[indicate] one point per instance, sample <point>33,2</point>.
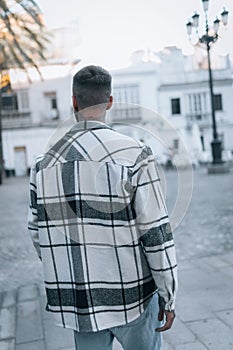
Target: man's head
<point>92,90</point>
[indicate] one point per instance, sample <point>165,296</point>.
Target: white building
<point>31,113</point>
<point>177,88</point>
<point>185,99</point>
<point>33,110</point>
<point>161,100</point>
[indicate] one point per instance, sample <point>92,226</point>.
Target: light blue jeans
<point>137,335</point>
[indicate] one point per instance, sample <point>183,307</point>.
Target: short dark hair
<point>92,86</point>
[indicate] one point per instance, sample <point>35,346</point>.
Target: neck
<point>85,115</point>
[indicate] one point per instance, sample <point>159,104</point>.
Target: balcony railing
<point>202,119</point>
<point>126,114</point>
<point>13,119</point>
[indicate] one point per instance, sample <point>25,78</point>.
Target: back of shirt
<point>99,223</point>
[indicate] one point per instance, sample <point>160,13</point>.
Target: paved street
<point>18,262</point>
<point>204,242</point>
<point>207,228</point>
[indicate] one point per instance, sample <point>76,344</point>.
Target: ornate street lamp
<point>210,37</point>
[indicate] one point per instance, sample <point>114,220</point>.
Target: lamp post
<point>210,37</point>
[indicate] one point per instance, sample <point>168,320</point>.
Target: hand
<point>170,316</point>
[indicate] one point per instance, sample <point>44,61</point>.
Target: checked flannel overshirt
<point>98,221</point>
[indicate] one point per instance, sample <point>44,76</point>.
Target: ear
<point>110,102</point>
<point>75,103</point>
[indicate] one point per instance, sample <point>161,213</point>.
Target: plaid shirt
<point>99,224</point>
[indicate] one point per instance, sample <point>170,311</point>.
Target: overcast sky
<point>111,30</point>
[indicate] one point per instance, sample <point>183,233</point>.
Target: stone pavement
<point>204,243</point>
<point>204,312</point>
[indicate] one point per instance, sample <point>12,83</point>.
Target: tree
<point>23,40</point>
<point>23,37</point>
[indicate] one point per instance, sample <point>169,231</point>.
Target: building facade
<point>163,101</point>
<point>176,88</point>
<point>31,113</point>
<point>185,98</point>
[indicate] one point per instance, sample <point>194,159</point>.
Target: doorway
<point>20,161</point>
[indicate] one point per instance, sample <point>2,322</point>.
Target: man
<point>101,228</point>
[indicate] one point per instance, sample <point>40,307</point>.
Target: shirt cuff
<point>169,306</point>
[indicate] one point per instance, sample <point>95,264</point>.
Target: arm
<point>32,213</point>
<point>156,236</point>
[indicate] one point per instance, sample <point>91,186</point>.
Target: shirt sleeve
<point>32,212</point>
<point>155,231</point>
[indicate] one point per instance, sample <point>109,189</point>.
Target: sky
<point>110,31</point>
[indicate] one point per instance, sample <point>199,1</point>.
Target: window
<point>175,144</point>
<point>23,95</point>
<point>51,105</point>
<point>54,103</point>
<point>126,98</point>
<point>9,102</point>
<point>218,102</point>
<point>175,104</point>
<point>197,105</point>
<point>126,94</point>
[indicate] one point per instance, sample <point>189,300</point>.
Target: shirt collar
<point>89,125</point>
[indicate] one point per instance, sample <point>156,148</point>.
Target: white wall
<point>62,87</point>
<point>33,139</point>
<point>145,75</point>
<point>56,78</point>
<point>224,118</point>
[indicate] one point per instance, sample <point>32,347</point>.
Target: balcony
<point>202,119</point>
<point>126,114</point>
<point>15,119</point>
